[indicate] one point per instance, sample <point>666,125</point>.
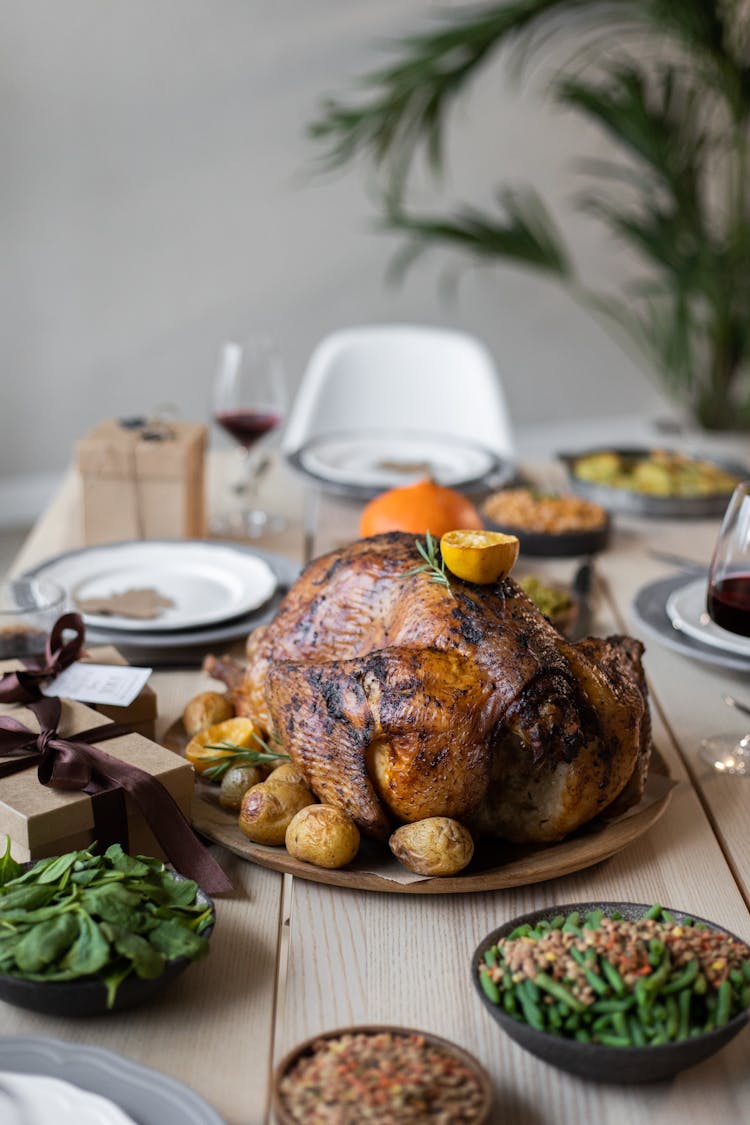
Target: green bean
<point>673,1017</point>
<point>520,931</point>
<point>668,918</point>
<point>509,1001</point>
<point>746,970</point>
<point>596,982</point>
<point>559,991</point>
<point>700,986</point>
<point>554,1017</point>
<point>572,924</point>
<point>531,1011</point>
<point>620,1005</point>
<point>724,1003</point>
<point>737,978</point>
<point>593,919</point>
<point>682,979</point>
<point>601,1023</point>
<point>532,988</point>
<point>490,989</point>
<point>557,922</point>
<point>654,914</point>
<point>572,1022</point>
<point>490,957</point>
<point>683,1001</point>
<point>636,1032</point>
<point>582,1035</point>
<point>745,996</point>
<point>659,975</point>
<point>613,976</point>
<point>619,1023</point>
<point>615,1040</point>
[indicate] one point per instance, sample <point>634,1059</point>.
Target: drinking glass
<point>728,606</point>
<point>249,401</point>
<point>29,607</point>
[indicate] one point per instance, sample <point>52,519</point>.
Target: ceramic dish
<point>650,613</point>
<point>593,1060</point>
<point>362,463</point>
<point>686,609</point>
<point>207,583</point>
<point>629,502</point>
<point>88,997</point>
<point>461,1056</point>
<point>189,645</point>
<point>148,1097</point>
<point>564,544</point>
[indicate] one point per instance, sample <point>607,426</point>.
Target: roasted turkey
<point>401,698</point>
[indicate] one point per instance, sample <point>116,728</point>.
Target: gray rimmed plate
<point>149,1097</point>
<point>630,502</point>
<point>649,608</point>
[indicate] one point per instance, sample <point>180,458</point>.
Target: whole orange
<point>424,506</point>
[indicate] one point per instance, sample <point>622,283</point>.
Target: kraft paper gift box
<point>142,480</point>
<point>42,821</point>
<point>140,715</point>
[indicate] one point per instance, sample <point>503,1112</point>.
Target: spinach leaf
<point>90,951</point>
<point>175,940</point>
<point>45,943</point>
<point>9,869</point>
<point>147,961</point>
<point>25,898</point>
<point>120,861</point>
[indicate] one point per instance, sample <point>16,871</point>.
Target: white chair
<point>401,377</point>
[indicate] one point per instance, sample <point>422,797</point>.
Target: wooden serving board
<point>495,866</point>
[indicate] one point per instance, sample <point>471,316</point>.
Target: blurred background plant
<point>669,83</point>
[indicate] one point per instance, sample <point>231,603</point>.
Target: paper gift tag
<point>99,683</point>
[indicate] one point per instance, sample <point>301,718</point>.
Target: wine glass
<point>249,401</point>
<point>728,606</point>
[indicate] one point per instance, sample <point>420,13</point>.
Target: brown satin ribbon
<point>73,763</point>
<point>23,686</point>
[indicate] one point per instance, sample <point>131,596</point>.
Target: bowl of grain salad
<point>383,1075</point>
<point>548,524</point>
<point>615,991</point>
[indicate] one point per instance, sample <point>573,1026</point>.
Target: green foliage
<point>86,915</point>
<point>667,82</point>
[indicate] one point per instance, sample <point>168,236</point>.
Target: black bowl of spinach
<point>84,934</point>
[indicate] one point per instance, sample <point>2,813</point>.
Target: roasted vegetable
<point>323,835</point>
<point>268,808</point>
<point>436,845</point>
<point>236,782</point>
<point>205,710</point>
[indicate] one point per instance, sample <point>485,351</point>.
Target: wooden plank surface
<point>291,957</point>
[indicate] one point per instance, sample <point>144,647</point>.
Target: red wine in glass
<point>729,603</point>
<point>247,426</point>
<point>248,402</point>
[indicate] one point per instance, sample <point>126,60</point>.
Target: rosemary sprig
<point>240,755</point>
<point>433,564</point>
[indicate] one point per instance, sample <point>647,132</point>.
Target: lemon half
<point>479,556</point>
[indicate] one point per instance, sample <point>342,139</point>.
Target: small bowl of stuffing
<point>615,991</point>
<point>380,1074</point>
<point>548,524</point>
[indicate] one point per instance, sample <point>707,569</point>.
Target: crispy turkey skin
<point>401,698</point>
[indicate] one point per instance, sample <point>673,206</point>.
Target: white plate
<point>369,461</point>
<point>145,1095</point>
<point>686,609</point>
<point>208,582</point>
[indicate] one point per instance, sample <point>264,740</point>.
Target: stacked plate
<point>673,610</point>
<point>362,463</point>
<point>204,593</point>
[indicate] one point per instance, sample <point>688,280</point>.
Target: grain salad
<point>524,510</point>
<point>381,1077</point>
<point>618,982</point>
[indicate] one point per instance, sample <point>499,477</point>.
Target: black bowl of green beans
<point>615,991</point>
<point>84,934</point>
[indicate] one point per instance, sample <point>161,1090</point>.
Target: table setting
<point>301,951</point>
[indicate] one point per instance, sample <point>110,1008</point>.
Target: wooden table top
<point>290,958</point>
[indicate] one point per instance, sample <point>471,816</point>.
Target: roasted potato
<point>436,845</point>
<point>323,835</point>
<point>287,772</point>
<point>236,782</point>
<point>205,710</point>
<point>267,809</point>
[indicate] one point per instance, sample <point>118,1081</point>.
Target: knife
<point>582,586</point>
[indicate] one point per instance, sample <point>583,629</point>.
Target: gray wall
<point>157,195</point>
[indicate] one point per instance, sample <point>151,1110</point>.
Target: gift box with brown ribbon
<point>68,780</point>
<point>142,480</point>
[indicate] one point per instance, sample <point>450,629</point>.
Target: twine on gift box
<point>148,429</point>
